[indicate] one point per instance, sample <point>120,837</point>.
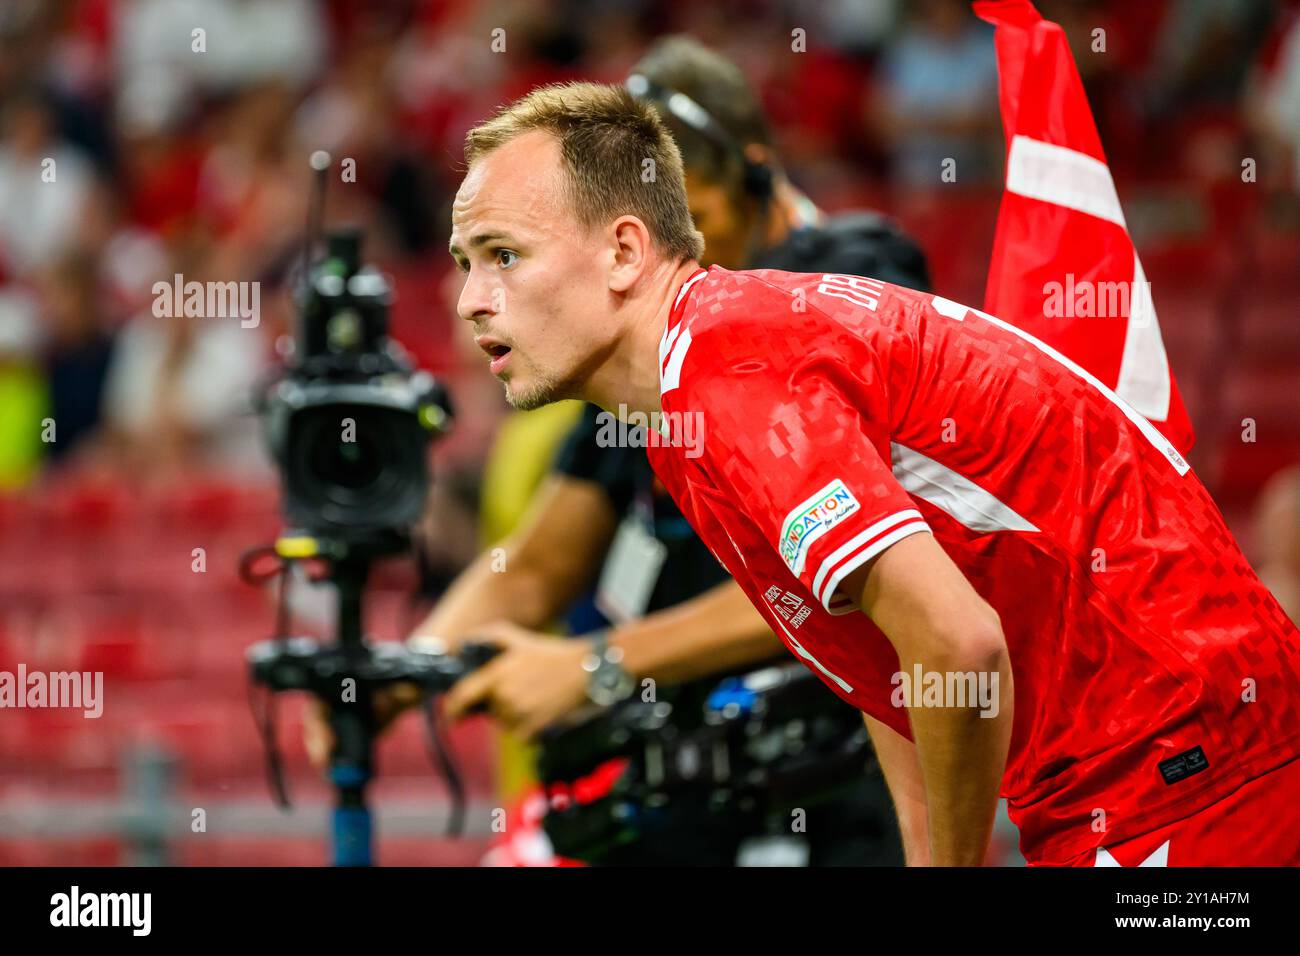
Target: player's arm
<point>898,761</point>
<point>933,617</point>
<point>711,632</point>
<point>540,569</point>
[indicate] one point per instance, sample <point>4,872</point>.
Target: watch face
<point>609,684</point>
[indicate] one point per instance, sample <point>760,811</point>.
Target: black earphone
<point>758,180</point>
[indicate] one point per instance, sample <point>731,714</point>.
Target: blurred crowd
<point>140,139</point>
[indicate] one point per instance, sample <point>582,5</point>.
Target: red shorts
<point>1258,824</point>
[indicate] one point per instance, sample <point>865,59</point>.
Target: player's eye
<point>506,258</point>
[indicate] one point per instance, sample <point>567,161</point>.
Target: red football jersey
<point>833,416</point>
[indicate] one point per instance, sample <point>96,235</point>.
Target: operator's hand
<point>317,736</point>
<point>533,682</point>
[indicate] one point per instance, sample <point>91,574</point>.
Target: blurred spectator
<point>77,348</point>
<point>46,185</point>
<point>354,117</point>
<point>940,96</point>
<point>1273,101</point>
<point>848,25</point>
<point>253,187</point>
<point>1204,51</point>
<point>1277,529</point>
<point>164,66</point>
<point>178,391</point>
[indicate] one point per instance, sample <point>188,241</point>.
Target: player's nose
<point>477,300</point>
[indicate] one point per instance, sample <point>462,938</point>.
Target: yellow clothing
<point>25,405</point>
<point>522,455</point>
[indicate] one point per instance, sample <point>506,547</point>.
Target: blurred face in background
<point>68,290</point>
<point>725,220</point>
<point>536,282</point>
<point>26,126</point>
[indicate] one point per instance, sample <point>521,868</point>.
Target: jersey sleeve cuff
<point>857,551</point>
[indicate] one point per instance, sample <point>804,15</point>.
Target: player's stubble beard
<point>542,391</point>
<point>547,386</point>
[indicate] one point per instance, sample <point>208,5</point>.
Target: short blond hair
<point>619,157</point>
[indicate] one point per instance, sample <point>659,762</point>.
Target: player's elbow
<point>972,642</point>
<point>984,640</point>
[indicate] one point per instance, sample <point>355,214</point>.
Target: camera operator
<point>675,615</point>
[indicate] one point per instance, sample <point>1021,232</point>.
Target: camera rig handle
<point>346,675</point>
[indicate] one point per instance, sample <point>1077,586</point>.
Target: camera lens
<point>353,466</point>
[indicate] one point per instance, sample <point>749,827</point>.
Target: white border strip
<point>1144,376</point>
<point>681,293</point>
<point>800,652</point>
<point>1063,177</point>
<point>862,557</point>
<point>884,524</point>
<point>672,373</point>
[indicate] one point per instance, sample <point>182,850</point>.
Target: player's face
<point>534,283</point>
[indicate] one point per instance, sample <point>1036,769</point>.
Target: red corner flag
<point>1064,268</point>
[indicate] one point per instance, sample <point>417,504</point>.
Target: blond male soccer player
<point>930,485</point>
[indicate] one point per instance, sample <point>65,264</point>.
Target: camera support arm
<point>345,676</point>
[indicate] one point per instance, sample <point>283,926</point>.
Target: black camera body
<point>350,420</point>
<point>767,740</point>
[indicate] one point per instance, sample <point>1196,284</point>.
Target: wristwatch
<point>608,682</point>
<point>426,643</point>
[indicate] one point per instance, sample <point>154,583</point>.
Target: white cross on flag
<point>1064,268</point>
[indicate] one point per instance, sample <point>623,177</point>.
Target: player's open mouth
<point>499,352</point>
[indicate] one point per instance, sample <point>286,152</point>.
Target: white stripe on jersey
<point>879,527</point>
<point>671,376</point>
<point>675,342</point>
<point>860,558</point>
<point>936,483</point>
<point>681,293</point>
<point>952,492</point>
<point>1158,857</point>
<point>666,344</point>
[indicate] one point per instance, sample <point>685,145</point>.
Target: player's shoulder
<point>744,314</point>
<point>726,298</point>
<point>768,301</point>
<point>739,308</point>
<point>732,317</point>
<point>735,332</point>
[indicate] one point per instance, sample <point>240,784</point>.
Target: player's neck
<point>628,381</point>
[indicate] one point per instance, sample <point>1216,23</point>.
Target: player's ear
<point>630,243</point>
